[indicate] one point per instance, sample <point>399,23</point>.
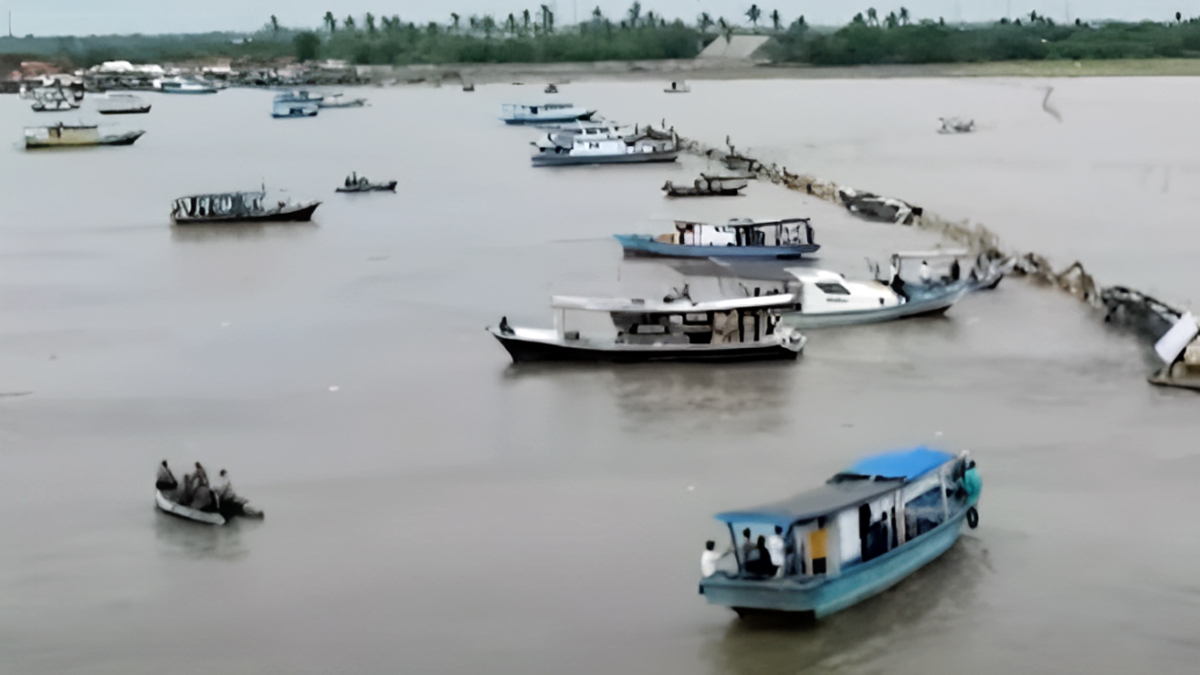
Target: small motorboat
<point>677,87</point>
<point>709,186</point>
<point>550,89</point>
<point>606,147</point>
<point>956,125</point>
<point>875,207</point>
<point>356,183</point>
<point>829,299</point>
<point>676,329</point>
<point>340,101</point>
<point>166,505</point>
<point>866,529</point>
<point>739,238</point>
<point>122,104</point>
<point>75,135</point>
<point>468,86</point>
<point>179,85</point>
<point>284,109</point>
<point>514,113</point>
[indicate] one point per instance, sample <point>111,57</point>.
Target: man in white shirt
<point>926,276</point>
<point>710,557</point>
<point>776,549</point>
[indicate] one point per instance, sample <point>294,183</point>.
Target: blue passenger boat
<point>864,530</point>
<point>739,238</point>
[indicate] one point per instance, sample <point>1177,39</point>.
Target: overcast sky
<point>84,17</point>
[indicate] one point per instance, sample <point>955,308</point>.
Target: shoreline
<point>721,69</point>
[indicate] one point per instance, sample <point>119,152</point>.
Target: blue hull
<point>640,243</point>
<point>824,596</point>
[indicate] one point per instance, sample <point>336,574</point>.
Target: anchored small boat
<point>739,238</point>
<point>179,85</point>
<point>284,109</point>
<point>956,125</point>
<point>75,135</point>
<point>863,531</point>
<point>677,87</point>
<point>54,99</point>
<point>875,207</point>
<point>828,299</point>
<point>357,183</point>
<point>607,147</point>
<point>737,329</point>
<point>122,104</point>
<point>515,113</point>
<point>340,101</point>
<point>195,500</point>
<point>550,89</point>
<point>300,96</point>
<point>239,207</point>
<point>709,186</point>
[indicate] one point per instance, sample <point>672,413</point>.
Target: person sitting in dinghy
<point>165,481</point>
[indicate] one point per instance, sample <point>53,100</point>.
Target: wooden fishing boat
<point>739,238</point>
<point>866,529</point>
<point>606,147</point>
<point>238,207</point>
<point>737,329</point>
<point>356,183</point>
<point>75,135</point>
<point>709,186</point>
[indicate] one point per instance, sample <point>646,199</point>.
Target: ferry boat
<point>864,530</point>
<point>122,104</point>
<point>282,109</point>
<point>605,147</point>
<point>737,329</point>
<point>75,135</point>
<point>238,207</point>
<point>739,238</point>
<point>516,113</point>
<point>179,85</point>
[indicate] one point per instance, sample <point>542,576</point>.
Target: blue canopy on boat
<point>903,464</point>
<point>820,501</point>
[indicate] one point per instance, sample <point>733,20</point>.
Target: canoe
<point>168,506</point>
<point>929,303</point>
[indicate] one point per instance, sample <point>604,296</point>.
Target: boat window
<point>923,513</point>
<point>832,288</point>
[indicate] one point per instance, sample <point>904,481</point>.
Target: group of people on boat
<point>356,180</point>
<point>195,491</point>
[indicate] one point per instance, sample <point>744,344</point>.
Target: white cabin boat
<point>122,104</point>
<point>179,85</point>
<point>735,329</point>
<point>516,113</point>
<point>606,147</point>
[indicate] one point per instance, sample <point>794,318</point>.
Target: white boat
<point>166,505</point>
<point>179,85</point>
<point>340,101</point>
<point>606,147</point>
<point>956,125</point>
<point>122,104</point>
<point>677,87</point>
<point>736,329</point>
<point>516,113</point>
<point>74,135</point>
<point>827,298</point>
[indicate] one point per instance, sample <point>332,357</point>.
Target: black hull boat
<point>303,213</point>
<point>389,186</point>
<point>525,350</point>
<point>238,207</point>
<point>127,111</point>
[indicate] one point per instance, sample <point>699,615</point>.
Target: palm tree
<point>525,19</point>
<point>858,18</point>
<point>904,15</point>
<point>597,15</point>
<point>348,23</point>
<point>330,22</point>
<point>753,13</point>
<point>635,14</point>
<point>872,16</point>
<point>274,24</point>
<point>1178,17</point>
<point>704,22</point>
<point>1033,16</point>
<point>473,22</point>
<point>891,21</point>
<point>489,26</point>
<point>369,19</point>
<point>802,22</point>
<point>547,19</point>
<point>510,24</point>
<point>454,19</point>
<point>650,19</point>
<point>776,23</point>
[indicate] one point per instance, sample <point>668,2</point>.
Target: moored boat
<point>736,329</point>
<point>516,113</point>
<point>356,183</point>
<point>179,85</point>
<point>75,135</point>
<point>828,299</point>
<point>866,529</point>
<point>603,147</point>
<point>284,109</point>
<point>709,186</point>
<point>956,125</point>
<point>165,504</point>
<point>238,207</point>
<point>677,87</point>
<point>340,101</point>
<point>122,104</point>
<point>739,238</point>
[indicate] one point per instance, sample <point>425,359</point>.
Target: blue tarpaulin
<point>904,464</point>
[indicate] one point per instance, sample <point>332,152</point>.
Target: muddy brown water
<point>441,511</point>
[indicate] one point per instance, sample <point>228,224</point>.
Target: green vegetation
<point>868,40</point>
<point>533,35</point>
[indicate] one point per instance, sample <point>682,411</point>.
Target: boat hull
<point>548,119</point>
<point>627,158</point>
<point>119,139</point>
<point>645,245</point>
<point>820,597</point>
<point>929,306</point>
<point>302,213</point>
<point>389,186</point>
<point>524,350</point>
<point>126,111</point>
<point>167,506</point>
<point>695,192</point>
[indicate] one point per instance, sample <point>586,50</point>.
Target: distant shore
<point>717,69</point>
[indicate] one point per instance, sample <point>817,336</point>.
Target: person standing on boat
<point>747,544</point>
<point>165,480</point>
<point>775,549</point>
<point>955,270</point>
<point>224,488</point>
<point>972,483</point>
<point>710,557</point>
<point>926,276</point>
<point>201,476</point>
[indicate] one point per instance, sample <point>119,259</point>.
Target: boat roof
<point>253,193</point>
<point>903,464</point>
<point>814,274</point>
<point>811,504</point>
<point>642,306</point>
<point>746,222</point>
